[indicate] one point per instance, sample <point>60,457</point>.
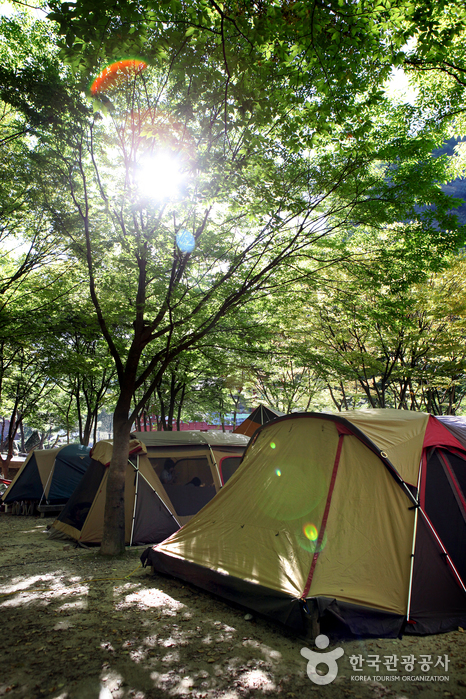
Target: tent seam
<point>324,517</point>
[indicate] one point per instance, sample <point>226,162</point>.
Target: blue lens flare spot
<point>185,240</point>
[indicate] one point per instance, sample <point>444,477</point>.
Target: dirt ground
<point>77,626</point>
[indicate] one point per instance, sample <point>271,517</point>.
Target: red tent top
<point>439,436</point>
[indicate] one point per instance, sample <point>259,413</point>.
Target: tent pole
<point>413,545</point>
<point>412,564</point>
<point>135,499</point>
<point>45,486</point>
<point>216,465</point>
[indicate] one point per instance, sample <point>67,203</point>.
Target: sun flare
<point>160,176</point>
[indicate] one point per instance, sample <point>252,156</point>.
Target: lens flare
<point>278,472</point>
<point>308,538</point>
<point>272,445</point>
<point>185,240</point>
<point>160,176</point>
<point>154,130</point>
<point>116,74</point>
<point>310,532</point>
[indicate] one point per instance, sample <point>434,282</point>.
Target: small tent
<point>258,417</point>
<point>360,515</point>
<point>49,476</point>
<point>153,510</point>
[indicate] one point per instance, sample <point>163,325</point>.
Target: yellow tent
<point>359,514</point>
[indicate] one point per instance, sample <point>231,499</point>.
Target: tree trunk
<point>180,404</point>
<point>78,408</point>
<point>21,431</point>
<point>337,404</point>
<point>68,420</point>
<point>86,435</point>
<point>113,538</point>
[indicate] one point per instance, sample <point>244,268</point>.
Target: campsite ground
<point>107,628</point>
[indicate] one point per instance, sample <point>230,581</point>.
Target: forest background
<point>324,264</point>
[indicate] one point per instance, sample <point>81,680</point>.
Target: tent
<point>49,476</point>
<point>153,510</point>
<point>213,451</point>
<point>359,517</point>
<point>258,417</point>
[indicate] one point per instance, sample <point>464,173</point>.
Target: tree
<point>35,101</point>
<point>275,142</point>
<point>32,102</point>
<point>25,387</point>
<point>442,383</point>
<point>78,360</point>
<point>384,332</point>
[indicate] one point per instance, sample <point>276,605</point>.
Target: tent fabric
<point>323,508</point>
<point>153,520</point>
<point>49,474</point>
<point>187,437</point>
<point>103,450</point>
<point>27,484</point>
<point>443,501</point>
<point>75,513</point>
<point>438,600</point>
<point>399,434</point>
<point>438,434</point>
<point>70,465</point>
<point>456,425</point>
<point>153,510</point>
<point>258,417</point>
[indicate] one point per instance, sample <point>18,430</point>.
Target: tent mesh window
<point>190,485</point>
<point>80,503</point>
<point>443,505</point>
<point>228,466</point>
